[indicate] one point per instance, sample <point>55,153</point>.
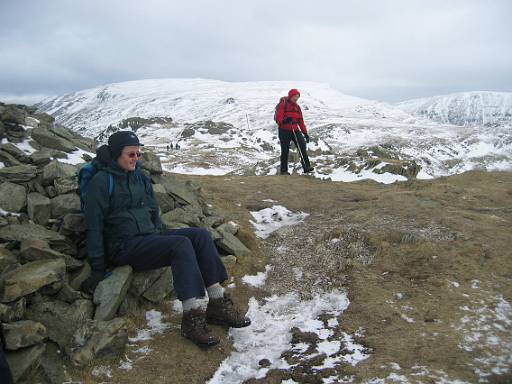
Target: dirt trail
<point>427,266</point>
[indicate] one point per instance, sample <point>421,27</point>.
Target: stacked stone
<point>47,321</point>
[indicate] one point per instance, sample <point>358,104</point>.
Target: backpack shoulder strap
<point>110,184</point>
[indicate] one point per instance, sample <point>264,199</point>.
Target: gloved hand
<point>90,284</point>
<point>306,136</point>
<point>287,120</point>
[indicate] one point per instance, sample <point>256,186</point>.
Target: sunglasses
<point>132,155</point>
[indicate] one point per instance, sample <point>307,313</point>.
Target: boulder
<point>24,360</point>
<point>185,215</point>
<point>14,115</point>
<point>52,364</point>
<point>213,221</point>
<point>229,260</point>
<point>73,222</point>
<point>61,319</point>
<point>14,151</point>
<point>68,294</point>
<point>98,339</point>
<point>32,250</point>
<point>165,201</point>
<point>64,204</point>
<point>230,244</point>
<point>43,156</point>
<point>21,232</point>
<point>8,160</point>
<point>7,258</point>
<point>230,227</point>
<point>151,162</point>
<point>66,185</point>
<point>111,291</point>
<point>49,139</point>
<point>143,280</point>
<point>161,288</point>
<point>13,197</point>
<point>56,169</point>
<point>38,208</point>
<point>181,191</point>
<point>23,333</point>
<point>13,311</point>
<point>80,276</point>
<point>30,277</point>
<point>18,173</point>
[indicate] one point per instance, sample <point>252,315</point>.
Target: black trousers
<point>191,253</point>
<point>285,136</point>
<point>5,372</point>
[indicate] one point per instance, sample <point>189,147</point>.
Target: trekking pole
<point>298,147</point>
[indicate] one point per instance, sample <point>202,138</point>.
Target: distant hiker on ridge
<point>288,117</point>
<point>124,228</point>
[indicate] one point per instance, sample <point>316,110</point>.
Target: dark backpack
<point>88,171</point>
<point>282,99</point>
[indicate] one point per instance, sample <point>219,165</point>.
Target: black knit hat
<point>117,141</point>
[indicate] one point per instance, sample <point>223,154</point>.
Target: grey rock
<point>111,291</point>
<point>23,333</point>
<point>68,294</point>
<point>18,173</point>
<point>182,215</point>
<point>143,280</point>
<point>161,288</point>
<point>30,277</point>
<point>43,156</point>
<point>72,223</point>
<point>181,191</point>
<point>230,244</point>
<point>165,201</point>
<point>8,159</point>
<point>52,364</point>
<point>13,197</point>
<point>56,169</point>
<point>21,232</point>
<point>230,227</point>
<point>50,140</point>
<point>12,114</point>
<point>13,311</point>
<point>174,225</point>
<point>7,258</point>
<point>32,250</point>
<point>61,319</point>
<point>38,208</point>
<point>64,204</point>
<point>80,276</point>
<point>98,339</point>
<point>14,151</point>
<point>66,185</point>
<point>24,360</point>
<point>151,162</point>
<point>213,221</point>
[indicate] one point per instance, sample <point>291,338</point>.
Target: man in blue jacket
<point>124,228</point>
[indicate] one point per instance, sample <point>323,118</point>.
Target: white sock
<point>193,303</point>
<point>215,291</point>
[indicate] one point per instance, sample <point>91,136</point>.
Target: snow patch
<point>270,334</point>
<point>269,220</point>
<point>156,325</point>
<point>259,279</point>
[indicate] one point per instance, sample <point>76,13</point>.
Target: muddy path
<point>426,269</point>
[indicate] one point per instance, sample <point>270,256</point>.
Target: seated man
<point>124,228</point>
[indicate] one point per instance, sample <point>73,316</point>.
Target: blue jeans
<point>190,252</point>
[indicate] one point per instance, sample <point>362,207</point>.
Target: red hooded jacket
<point>292,110</point>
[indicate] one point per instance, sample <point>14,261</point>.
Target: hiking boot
<point>309,169</point>
<point>224,312</point>
<point>284,173</point>
<point>193,327</point>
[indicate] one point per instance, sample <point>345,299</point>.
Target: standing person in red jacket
<point>289,118</point>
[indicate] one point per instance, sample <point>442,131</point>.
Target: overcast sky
<point>388,50</point>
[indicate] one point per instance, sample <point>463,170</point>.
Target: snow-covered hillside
<point>227,127</point>
<point>465,108</point>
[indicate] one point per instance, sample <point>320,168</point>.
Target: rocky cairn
<point>47,321</point>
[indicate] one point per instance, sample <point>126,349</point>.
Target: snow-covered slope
<point>352,138</point>
<point>465,108</point>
